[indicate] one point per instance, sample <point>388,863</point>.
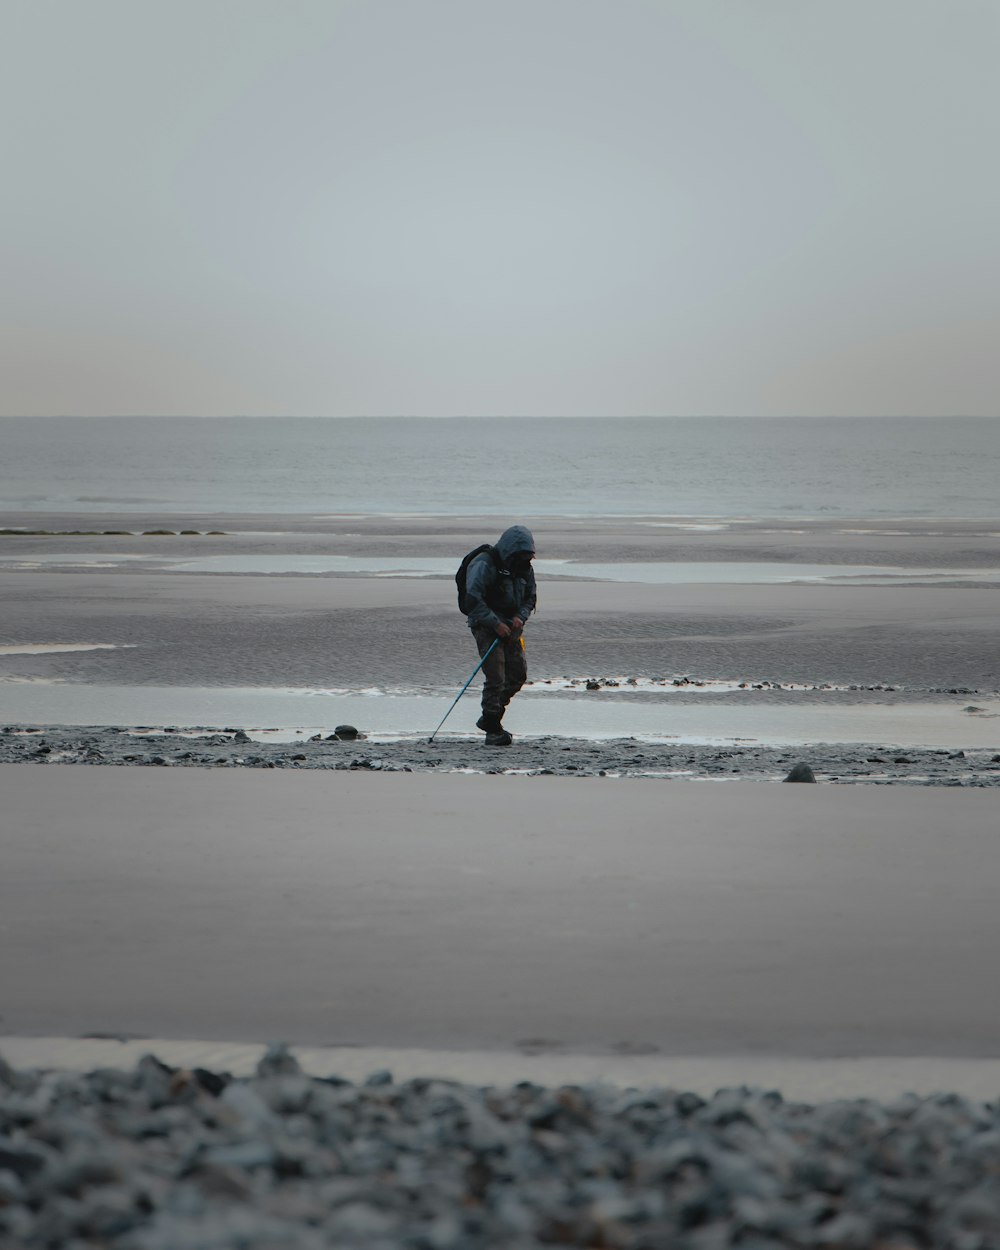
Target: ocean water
<point>697,467</point>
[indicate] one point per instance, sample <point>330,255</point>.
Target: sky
<point>499,207</point>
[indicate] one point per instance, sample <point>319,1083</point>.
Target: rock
<point>345,733</point>
<point>8,1077</point>
<point>278,1060</point>
<point>245,1155</point>
<point>593,685</point>
<point>21,1160</point>
<point>801,772</point>
<point>241,736</point>
<point>211,1082</point>
<point>247,1104</point>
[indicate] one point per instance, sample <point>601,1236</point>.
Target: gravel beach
<point>165,1158</point>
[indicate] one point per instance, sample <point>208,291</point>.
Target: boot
<point>499,739</point>
<point>489,723</point>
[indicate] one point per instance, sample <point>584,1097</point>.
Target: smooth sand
<point>491,913</point>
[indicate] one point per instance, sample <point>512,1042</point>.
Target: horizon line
<point>451,416</point>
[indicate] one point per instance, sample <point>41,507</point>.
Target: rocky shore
<point>158,1158</point>
<point>542,756</point>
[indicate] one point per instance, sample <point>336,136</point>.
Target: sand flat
<point>489,913</point>
<point>243,630</point>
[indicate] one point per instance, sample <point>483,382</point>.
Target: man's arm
<point>528,599</point>
<point>478,580</point>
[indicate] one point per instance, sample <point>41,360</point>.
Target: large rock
<point>801,772</point>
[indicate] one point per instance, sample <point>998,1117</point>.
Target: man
<point>500,595</point>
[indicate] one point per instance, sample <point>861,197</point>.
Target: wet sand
<point>485,914</point>
<point>216,629</point>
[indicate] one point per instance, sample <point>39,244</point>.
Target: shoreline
<point>623,759</point>
<point>688,669</point>
<point>799,1078</point>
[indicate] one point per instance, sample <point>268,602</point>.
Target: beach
<point>884,678</point>
<point>435,919</point>
<point>758,617</point>
<point>494,913</point>
<point>546,1014</point>
<point>309,938</point>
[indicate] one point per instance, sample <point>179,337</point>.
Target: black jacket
<point>494,592</point>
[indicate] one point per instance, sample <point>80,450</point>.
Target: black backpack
<point>463,604</point>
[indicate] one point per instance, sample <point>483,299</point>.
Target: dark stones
<point>671,760</point>
<point>211,1082</point>
<point>346,733</point>
<point>162,1157</point>
<point>278,1060</point>
<point>21,1160</point>
<point>688,1103</point>
<point>801,772</point>
<point>241,736</point>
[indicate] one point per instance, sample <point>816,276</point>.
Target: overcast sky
<point>525,207</point>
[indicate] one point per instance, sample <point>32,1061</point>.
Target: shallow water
<point>660,572</point>
<point>296,712</point>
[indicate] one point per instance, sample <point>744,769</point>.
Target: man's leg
<point>494,680</point>
<point>515,667</point>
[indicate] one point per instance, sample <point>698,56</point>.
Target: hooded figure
<point>500,591</point>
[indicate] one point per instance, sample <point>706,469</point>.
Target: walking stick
<point>464,688</point>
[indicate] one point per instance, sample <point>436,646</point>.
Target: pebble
<point>162,1159</point>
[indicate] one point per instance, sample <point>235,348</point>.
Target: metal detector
<point>465,687</point>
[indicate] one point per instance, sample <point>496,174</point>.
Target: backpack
<point>463,605</point>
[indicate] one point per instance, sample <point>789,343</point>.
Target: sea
<point>724,467</point>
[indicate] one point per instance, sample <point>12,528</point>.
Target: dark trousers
<point>504,672</point>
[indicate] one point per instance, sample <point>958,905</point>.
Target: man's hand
<point>517,625</point>
<point>503,631</point>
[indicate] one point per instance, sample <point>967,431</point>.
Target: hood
<point>511,541</point>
